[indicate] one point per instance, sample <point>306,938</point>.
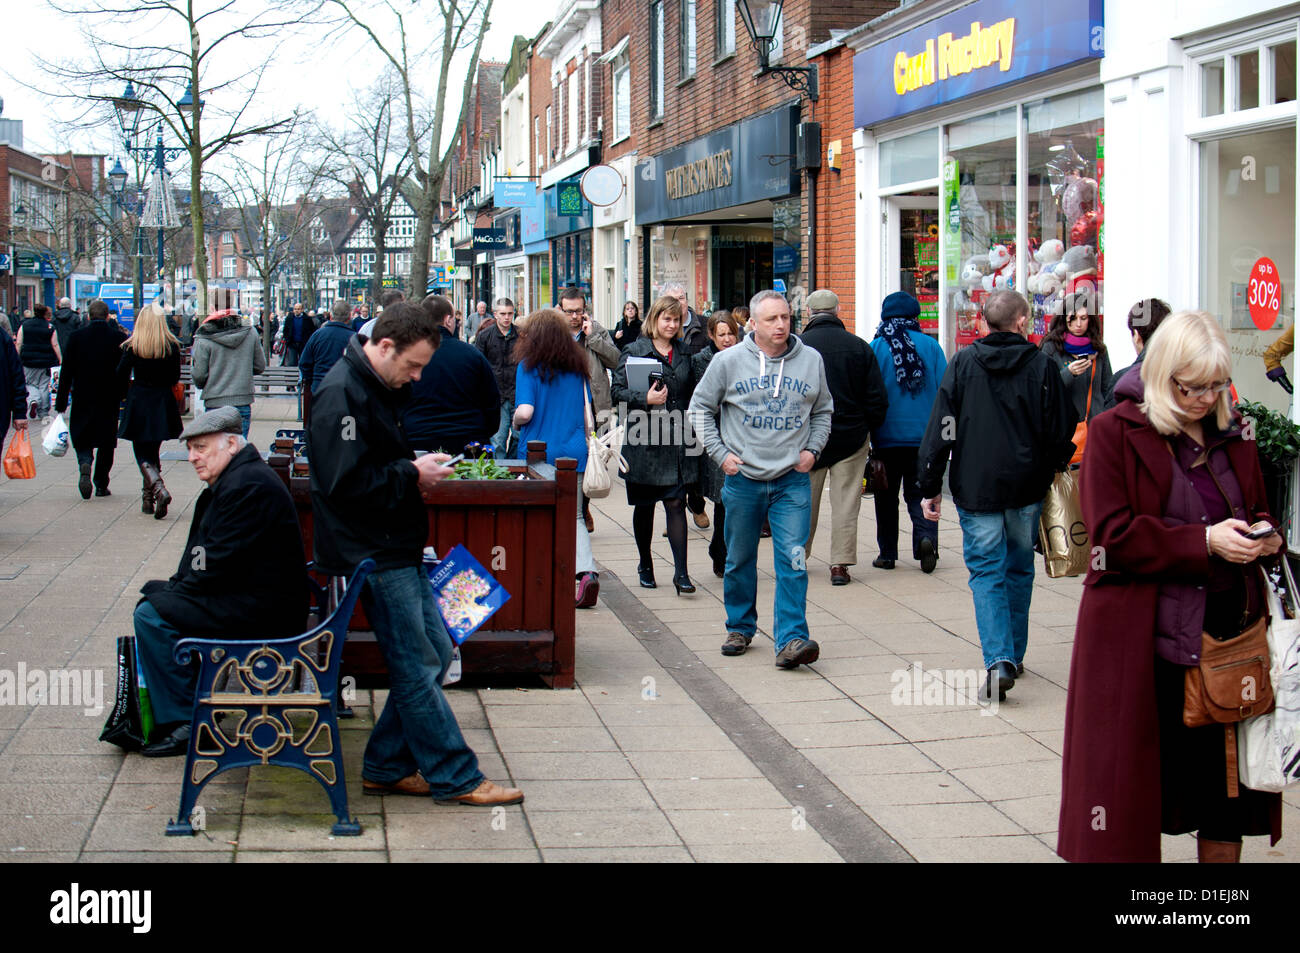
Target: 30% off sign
<point>1264,295</point>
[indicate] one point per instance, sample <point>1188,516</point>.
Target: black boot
<point>161,498</point>
<point>146,491</point>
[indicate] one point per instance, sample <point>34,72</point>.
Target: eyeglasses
<point>574,312</point>
<point>1196,393</point>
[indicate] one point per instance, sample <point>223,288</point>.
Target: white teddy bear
<point>1044,280</point>
<point>1003,266</point>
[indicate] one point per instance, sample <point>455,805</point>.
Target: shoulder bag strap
<point>586,407</point>
<point>1087,411</point>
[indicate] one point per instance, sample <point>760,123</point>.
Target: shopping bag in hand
<point>1066,546</point>
<point>19,463</point>
<point>57,438</point>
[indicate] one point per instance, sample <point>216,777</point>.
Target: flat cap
<point>823,300</point>
<point>218,420</point>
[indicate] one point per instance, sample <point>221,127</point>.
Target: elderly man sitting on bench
<point>241,574</point>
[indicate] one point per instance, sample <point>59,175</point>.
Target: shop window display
<point>1247,229</point>
<point>980,214</point>
<point>1065,217</point>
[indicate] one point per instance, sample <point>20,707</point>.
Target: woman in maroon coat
<point>1168,486</point>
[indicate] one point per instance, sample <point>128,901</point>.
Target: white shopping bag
<point>1268,746</point>
<point>56,437</point>
<point>453,670</point>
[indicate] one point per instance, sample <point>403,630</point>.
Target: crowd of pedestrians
<point>737,409</point>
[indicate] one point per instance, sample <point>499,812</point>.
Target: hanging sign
<point>1264,294</point>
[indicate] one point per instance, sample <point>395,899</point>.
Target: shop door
<point>912,252</point>
<point>743,269</point>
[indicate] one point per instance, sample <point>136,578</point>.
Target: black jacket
<point>857,386</point>
<point>655,446</point>
<point>65,322</point>
<point>1135,367</point>
<point>89,377</point>
<point>298,329</point>
<point>696,337</point>
<point>365,494</point>
<point>631,331</point>
<point>499,349</point>
<point>242,574</point>
<point>13,384</point>
<point>37,351</point>
<point>1005,416</point>
<point>455,401</point>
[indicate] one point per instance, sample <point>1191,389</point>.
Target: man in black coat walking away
<point>858,390</point>
<point>89,377</point>
<point>366,501</point>
<point>66,320</point>
<point>455,401</point>
<point>241,575</point>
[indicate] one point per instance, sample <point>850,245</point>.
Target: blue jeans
<point>786,503</point>
<point>246,415</point>
<point>417,730</point>
<point>171,687</point>
<point>500,438</point>
<point>999,552</point>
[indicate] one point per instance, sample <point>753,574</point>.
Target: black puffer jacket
<point>242,574</point>
<point>65,322</point>
<point>499,349</point>
<point>1005,417</point>
<point>857,386</point>
<point>365,494</point>
<point>658,438</point>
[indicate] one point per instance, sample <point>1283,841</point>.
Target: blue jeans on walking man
<point>417,730</point>
<point>999,551</point>
<point>502,436</point>
<point>786,503</point>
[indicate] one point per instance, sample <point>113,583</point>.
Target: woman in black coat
<point>151,361</point>
<point>628,328</point>
<point>659,467</point>
<point>1074,343</point>
<point>89,377</point>
<point>723,333</point>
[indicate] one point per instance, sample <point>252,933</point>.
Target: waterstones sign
<point>745,162</point>
<point>979,47</point>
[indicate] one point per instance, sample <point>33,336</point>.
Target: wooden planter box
<point>523,532</point>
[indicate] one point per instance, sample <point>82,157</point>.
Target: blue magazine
<point>466,593</point>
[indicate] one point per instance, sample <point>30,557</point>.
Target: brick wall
<point>540,96</point>
<point>834,215</point>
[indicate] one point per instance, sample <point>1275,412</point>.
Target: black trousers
<point>900,465</point>
<point>102,459</point>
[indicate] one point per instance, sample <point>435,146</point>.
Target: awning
<point>614,54</point>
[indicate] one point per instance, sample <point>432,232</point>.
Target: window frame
<point>656,60</point>
<point>725,23</point>
<point>688,34</point>
<point>622,66</point>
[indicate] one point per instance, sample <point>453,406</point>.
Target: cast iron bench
<point>270,702</point>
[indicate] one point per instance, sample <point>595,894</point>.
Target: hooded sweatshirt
<point>226,355</point>
<point>65,322</point>
<point>769,408</point>
<point>1004,415</point>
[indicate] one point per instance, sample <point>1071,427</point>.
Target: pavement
<point>666,750</point>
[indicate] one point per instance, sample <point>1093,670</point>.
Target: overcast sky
<point>303,69</point>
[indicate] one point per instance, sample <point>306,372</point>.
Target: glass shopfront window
<point>981,214</point>
<point>913,158</point>
<point>571,264</point>
<point>1247,229</point>
<point>1065,214</point>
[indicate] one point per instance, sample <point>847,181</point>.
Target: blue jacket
<point>908,414</point>
<point>13,384</point>
<point>323,349</point>
<point>455,401</point>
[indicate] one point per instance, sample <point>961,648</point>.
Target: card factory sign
<point>976,48</point>
<point>953,56</point>
<point>712,172</point>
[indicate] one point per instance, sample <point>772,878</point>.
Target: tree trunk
<point>424,209</point>
<point>377,277</point>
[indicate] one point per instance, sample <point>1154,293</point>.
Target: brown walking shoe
<point>413,785</point>
<point>488,794</point>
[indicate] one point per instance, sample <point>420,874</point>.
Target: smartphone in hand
<point>1260,533</point>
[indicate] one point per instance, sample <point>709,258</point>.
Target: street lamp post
<point>159,211</point>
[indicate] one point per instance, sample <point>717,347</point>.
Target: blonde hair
<point>151,338</point>
<point>1191,346</point>
<point>650,327</point>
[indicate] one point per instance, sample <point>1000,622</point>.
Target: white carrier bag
<point>1268,746</point>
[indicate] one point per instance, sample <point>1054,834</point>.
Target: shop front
<point>715,214</point>
<point>568,228</point>
<point>614,271</point>
<point>980,149</point>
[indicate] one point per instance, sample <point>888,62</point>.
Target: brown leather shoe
<point>701,520</point>
<point>591,523</point>
<point>488,794</point>
<point>414,785</point>
<point>1217,852</point>
<point>839,575</point>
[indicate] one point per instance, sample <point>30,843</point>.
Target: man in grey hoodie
<point>227,353</point>
<point>762,412</point>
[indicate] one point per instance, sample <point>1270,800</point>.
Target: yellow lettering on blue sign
<point>956,55</point>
